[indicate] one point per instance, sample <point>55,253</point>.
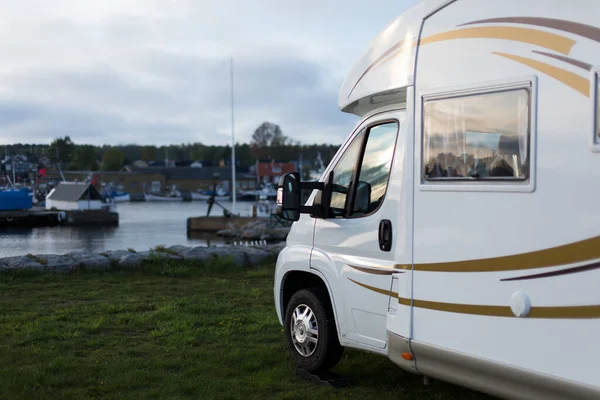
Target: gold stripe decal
<point>535,37</point>
<point>564,312</point>
<point>585,250</point>
<point>376,270</point>
<point>375,289</point>
<point>579,83</point>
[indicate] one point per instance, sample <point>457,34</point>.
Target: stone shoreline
<point>243,256</point>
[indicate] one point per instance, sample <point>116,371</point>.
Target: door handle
<point>385,235</point>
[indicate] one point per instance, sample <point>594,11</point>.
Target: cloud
<point>157,72</point>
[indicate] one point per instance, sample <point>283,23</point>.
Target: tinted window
<point>343,174</point>
<point>482,136</point>
<point>375,168</point>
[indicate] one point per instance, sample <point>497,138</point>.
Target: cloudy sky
<point>157,71</point>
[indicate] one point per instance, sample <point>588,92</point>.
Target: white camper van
<point>457,230</point>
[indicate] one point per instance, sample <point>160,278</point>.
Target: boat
<point>267,192</point>
<point>221,194</point>
<point>117,195</point>
<point>13,199</point>
<point>121,197</point>
<point>173,195</point>
<point>157,197</point>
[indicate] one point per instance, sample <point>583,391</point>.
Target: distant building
<point>69,196</point>
<point>189,179</point>
<point>140,164</point>
<point>271,171</point>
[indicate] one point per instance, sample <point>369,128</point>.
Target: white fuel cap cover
<point>520,304</point>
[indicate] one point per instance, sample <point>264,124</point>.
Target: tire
<point>300,332</point>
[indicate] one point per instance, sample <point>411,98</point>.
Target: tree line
<point>268,143</point>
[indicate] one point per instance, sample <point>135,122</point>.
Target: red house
<point>270,172</point>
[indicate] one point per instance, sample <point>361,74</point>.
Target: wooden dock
<point>215,224</point>
<point>40,217</point>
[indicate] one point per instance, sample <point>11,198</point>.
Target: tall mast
<point>232,142</point>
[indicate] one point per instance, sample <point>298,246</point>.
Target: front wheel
<point>310,331</point>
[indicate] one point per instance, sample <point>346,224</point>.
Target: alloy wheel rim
<point>304,330</point>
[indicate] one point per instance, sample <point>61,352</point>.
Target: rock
<point>154,255</point>
<point>22,262</point>
<point>145,255</point>
<point>276,248</point>
<point>131,261</point>
<point>228,233</point>
<point>58,263</point>
<point>167,256</point>
<point>256,256</point>
<point>90,260</point>
<point>250,234</point>
<point>116,256</point>
<point>180,250</point>
<point>279,233</point>
<point>258,224</point>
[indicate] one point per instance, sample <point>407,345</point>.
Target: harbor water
<point>142,226</point>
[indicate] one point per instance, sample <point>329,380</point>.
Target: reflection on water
<point>141,226</point>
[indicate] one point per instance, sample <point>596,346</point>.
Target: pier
<point>40,217</point>
<point>216,224</point>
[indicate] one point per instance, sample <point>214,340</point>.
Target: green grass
<point>38,259</point>
<point>174,332</point>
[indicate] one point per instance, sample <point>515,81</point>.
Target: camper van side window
<point>477,137</point>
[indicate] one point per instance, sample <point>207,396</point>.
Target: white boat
<point>155,197</point>
<point>203,196</point>
<point>267,192</point>
<point>121,198</point>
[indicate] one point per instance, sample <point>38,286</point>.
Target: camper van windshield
<point>482,136</point>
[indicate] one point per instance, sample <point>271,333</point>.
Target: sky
<point>158,71</point>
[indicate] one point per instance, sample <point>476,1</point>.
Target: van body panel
<point>352,248</point>
<point>481,246</point>
<point>388,64</point>
<point>291,258</point>
<point>505,381</point>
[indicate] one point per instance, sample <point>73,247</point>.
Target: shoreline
<point>242,256</point>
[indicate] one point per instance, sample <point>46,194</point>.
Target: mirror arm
<point>307,209</point>
<point>312,185</point>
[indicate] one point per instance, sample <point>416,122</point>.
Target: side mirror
<point>288,197</point>
<point>363,197</point>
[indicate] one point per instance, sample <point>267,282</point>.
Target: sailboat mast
<point>232,143</point>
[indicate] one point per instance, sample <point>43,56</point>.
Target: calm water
<point>141,227</point>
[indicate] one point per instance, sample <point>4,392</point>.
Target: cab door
<point>357,239</point>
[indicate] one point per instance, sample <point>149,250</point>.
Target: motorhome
<point>457,229</point>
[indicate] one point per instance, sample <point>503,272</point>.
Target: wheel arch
<point>295,280</point>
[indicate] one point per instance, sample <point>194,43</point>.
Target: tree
<point>62,150</point>
<point>227,152</point>
<point>149,153</point>
<point>85,158</point>
<point>268,134</point>
<point>113,159</point>
<point>198,154</point>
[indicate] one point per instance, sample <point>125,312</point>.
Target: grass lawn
<point>168,333</point>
